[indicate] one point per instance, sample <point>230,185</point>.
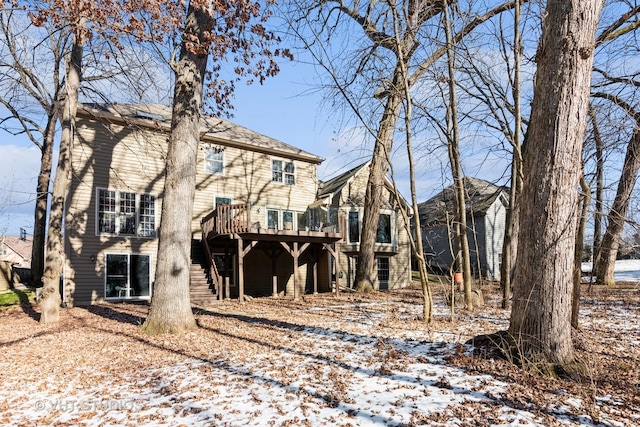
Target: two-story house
<point>486,205</point>
<point>344,197</point>
<point>257,227</point>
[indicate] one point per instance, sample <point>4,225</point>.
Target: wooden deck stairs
<point>202,288</point>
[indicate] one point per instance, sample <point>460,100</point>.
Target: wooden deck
<point>232,223</point>
<point>226,221</point>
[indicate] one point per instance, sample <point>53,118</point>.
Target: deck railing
<point>227,219</point>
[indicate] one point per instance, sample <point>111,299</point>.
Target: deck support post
<point>240,268</point>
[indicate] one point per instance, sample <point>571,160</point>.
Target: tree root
<point>502,345</point>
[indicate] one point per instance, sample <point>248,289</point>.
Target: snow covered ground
<point>626,270</point>
<point>321,362</point>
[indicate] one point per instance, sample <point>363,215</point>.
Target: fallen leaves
<point>352,360</point>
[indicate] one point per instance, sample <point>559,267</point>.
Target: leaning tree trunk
<point>50,299</point>
<point>42,200</point>
<point>541,314</point>
<point>415,235</point>
<point>170,310</point>
<point>606,260</point>
<point>365,272</point>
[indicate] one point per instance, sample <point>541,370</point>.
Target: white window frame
<point>280,215</point>
<point>359,212</point>
<point>119,216</point>
<point>277,211</point>
<point>286,177</point>
<point>392,217</point>
<point>127,289</point>
<point>208,162</point>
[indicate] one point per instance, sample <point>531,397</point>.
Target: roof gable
<point>337,183</point>
<point>329,189</point>
<point>18,246</point>
<point>212,129</point>
<point>480,195</point>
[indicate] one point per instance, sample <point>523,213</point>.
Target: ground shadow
<point>121,315</point>
<point>26,305</point>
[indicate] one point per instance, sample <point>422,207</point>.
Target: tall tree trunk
<point>597,215</point>
<point>42,200</point>
<point>605,263</point>
<point>50,300</point>
<point>541,314</point>
<point>365,272</point>
<point>415,235</point>
<point>462,240</point>
<point>577,261</point>
<point>509,244</point>
<point>170,310</point>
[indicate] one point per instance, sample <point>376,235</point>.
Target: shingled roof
<point>212,129</point>
<point>336,183</point>
<point>19,246</point>
<point>479,196</point>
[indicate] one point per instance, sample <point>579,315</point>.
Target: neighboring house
<point>486,206</point>
<point>15,260</point>
<point>256,226</point>
<point>343,197</point>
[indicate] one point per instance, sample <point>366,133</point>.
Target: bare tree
<point>32,88</point>
<point>608,250</point>
<point>51,299</point>
<point>170,308</point>
<point>583,216</point>
<point>509,245</point>
<point>599,155</point>
<point>230,29</point>
<point>462,242</point>
<point>86,21</point>
<point>541,315</point>
<point>389,47</point>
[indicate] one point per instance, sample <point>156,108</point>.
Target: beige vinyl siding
<point>351,197</point>
<point>247,179</point>
<point>119,159</point>
<point>400,264</point>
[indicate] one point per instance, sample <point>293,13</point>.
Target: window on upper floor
<point>214,160</point>
<point>354,226</point>
<point>273,219</point>
<point>221,200</point>
<point>283,171</point>
<point>384,232</point>
<point>384,229</point>
<point>124,213</point>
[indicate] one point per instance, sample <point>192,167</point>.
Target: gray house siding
<point>495,224</point>
<point>486,213</point>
